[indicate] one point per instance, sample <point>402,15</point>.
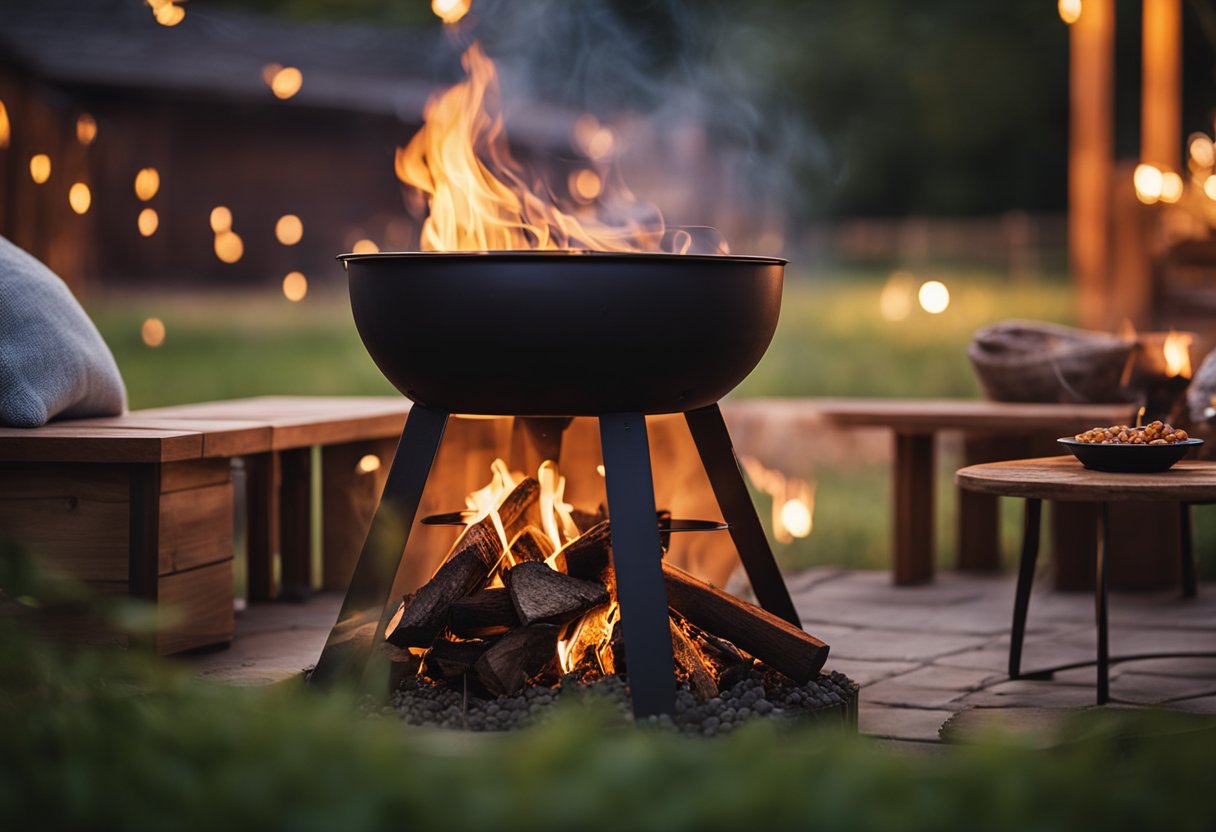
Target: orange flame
<point>793,500</point>
<point>477,192</point>
<point>1177,352</point>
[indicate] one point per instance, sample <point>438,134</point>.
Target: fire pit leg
<point>637,560</point>
<point>718,456</point>
<point>348,648</point>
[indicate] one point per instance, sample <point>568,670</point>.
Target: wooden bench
<point>142,504</point>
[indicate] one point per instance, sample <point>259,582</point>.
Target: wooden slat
<point>195,608</point>
<point>972,415</point>
<point>221,437</point>
<point>195,527</point>
<point>194,473</point>
<point>70,442</point>
<point>73,518</point>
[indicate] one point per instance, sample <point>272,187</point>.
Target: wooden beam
<point>1161,86</point>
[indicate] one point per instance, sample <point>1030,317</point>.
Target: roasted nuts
<point>1154,433</point>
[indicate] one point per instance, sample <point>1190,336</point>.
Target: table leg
<point>914,499</point>
<point>1021,602</point>
<point>1100,601</point>
<point>1187,549</point>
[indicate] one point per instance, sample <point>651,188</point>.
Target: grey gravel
<point>760,695</point>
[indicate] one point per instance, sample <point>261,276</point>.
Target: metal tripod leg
<point>637,560</point>
<point>718,456</point>
<point>350,643</point>
<point>1021,599</point>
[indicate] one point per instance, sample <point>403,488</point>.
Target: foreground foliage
<point>103,739</point>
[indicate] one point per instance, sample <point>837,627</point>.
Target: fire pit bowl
<point>564,333</point>
<point>1129,459</point>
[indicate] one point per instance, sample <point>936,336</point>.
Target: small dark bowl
<point>1129,459</point>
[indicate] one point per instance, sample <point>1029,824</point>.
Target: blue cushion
<point>53,361</point>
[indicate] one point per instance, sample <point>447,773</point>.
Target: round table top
<point>1064,478</point>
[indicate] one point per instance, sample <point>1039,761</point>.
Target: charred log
<point>587,520</point>
<point>542,595</point>
<point>588,557</point>
<point>448,660</point>
<point>770,639</point>
<point>515,658</point>
<point>690,666</point>
<point>531,545</point>
<point>485,612</point>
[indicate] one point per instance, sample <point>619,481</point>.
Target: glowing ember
<point>86,129</point>
<point>478,195</point>
<point>147,183</point>
<point>152,332</point>
<point>295,287</point>
<point>40,167</point>
<point>80,197</point>
<point>148,222</point>
<point>1177,352</point>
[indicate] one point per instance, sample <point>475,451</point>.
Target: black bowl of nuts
<point>1150,449</point>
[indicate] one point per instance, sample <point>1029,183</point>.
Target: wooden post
<point>295,524</point>
<point>262,524</point>
<point>1091,155</point>
<point>1161,88</point>
<point>914,516</point>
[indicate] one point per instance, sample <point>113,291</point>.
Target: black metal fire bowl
<point>564,333</point>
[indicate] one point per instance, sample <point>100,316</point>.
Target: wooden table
<point>1064,479</point>
<point>991,431</point>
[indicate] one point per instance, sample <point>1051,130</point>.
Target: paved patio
<point>922,654</point>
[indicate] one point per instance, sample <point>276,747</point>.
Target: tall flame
<point>1177,351</point>
<point>478,194</point>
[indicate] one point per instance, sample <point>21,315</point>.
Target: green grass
<point>831,341</point>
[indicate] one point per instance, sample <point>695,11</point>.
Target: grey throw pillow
<point>53,361</point>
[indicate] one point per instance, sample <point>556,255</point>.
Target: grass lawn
<point>831,341</point>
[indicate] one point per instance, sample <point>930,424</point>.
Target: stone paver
<point>916,724</point>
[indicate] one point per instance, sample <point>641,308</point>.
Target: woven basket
<point>1032,361</point>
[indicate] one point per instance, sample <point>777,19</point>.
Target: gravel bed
<point>757,696</point>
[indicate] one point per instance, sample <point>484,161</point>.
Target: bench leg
<point>295,524</point>
<point>1021,600</point>
<point>1100,603</point>
<point>914,499</point>
<point>262,523</point>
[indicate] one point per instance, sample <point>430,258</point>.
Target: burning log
<point>691,666</point>
<point>770,639</point>
<point>531,545</point>
<point>515,658</point>
<point>586,520</point>
<point>477,551</point>
<point>589,556</point>
<point>485,612</point>
<point>452,659</point>
<point>542,595</point>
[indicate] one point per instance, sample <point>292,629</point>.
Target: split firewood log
<point>515,658</point>
<point>542,595</point>
<point>485,612</point>
<point>531,545</point>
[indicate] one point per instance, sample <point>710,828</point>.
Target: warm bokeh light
<point>288,230</point>
<point>80,198</point>
<point>148,221</point>
<point>286,82</point>
<point>585,184</point>
<point>592,138</point>
<point>796,516</point>
<point>40,167</point>
<point>1070,10</point>
<point>450,11</point>
<point>86,128</point>
<point>166,12</point>
<point>1171,187</point>
<point>5,128</point>
<point>1202,151</point>
<point>1147,180</point>
<point>364,246</point>
<point>1209,187</point>
<point>295,287</point>
<point>147,183</point>
<point>367,464</point>
<point>1177,353</point>
<point>228,247</point>
<point>934,297</point>
<point>152,332</point>
<point>895,302</point>
<point>221,219</point>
